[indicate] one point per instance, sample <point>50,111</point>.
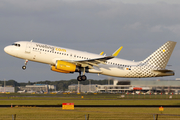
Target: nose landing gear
<point>25,63</point>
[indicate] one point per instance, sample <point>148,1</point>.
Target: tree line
<point>61,85</point>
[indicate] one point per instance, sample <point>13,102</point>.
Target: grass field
<point>94,114</point>
<point>33,113</point>
<point>89,99</point>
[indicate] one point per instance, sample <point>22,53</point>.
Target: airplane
<point>66,60</point>
<point>23,91</point>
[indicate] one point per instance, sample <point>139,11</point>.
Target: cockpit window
<point>15,44</point>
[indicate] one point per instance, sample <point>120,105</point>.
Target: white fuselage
<point>48,54</point>
<point>153,66</point>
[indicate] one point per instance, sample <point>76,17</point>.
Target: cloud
<point>174,28</point>
<point>93,26</point>
<point>134,26</point>
<point>157,28</point>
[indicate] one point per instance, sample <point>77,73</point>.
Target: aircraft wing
<point>94,62</point>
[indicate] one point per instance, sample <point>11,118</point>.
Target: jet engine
<point>53,68</point>
<point>64,67</point>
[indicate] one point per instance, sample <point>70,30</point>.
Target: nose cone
<point>7,49</point>
<point>11,50</point>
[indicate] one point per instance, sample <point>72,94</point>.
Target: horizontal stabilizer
<point>164,72</point>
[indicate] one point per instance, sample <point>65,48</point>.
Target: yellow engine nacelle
<point>53,68</point>
<point>63,67</point>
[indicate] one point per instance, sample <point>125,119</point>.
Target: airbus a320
<point>66,60</point>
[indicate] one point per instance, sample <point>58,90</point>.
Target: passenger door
<point>28,47</point>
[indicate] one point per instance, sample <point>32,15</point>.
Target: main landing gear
<point>83,77</point>
<point>25,63</point>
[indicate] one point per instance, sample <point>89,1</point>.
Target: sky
<point>140,26</point>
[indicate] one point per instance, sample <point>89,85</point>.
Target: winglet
<point>101,53</point>
<point>117,51</point>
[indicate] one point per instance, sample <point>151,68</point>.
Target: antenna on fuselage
<point>31,40</point>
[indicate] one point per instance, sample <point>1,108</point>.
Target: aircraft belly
<point>116,72</point>
<point>128,73</point>
<point>36,57</point>
<point>42,58</point>
<point>140,72</point>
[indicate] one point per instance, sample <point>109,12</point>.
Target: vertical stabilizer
<point>160,57</point>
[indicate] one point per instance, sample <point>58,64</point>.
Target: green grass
<point>35,113</point>
<point>90,102</point>
<point>89,99</point>
<point>86,96</point>
<point>94,113</point>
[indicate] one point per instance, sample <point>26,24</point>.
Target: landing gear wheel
<point>23,67</point>
<point>79,78</point>
<point>25,63</point>
<point>83,77</point>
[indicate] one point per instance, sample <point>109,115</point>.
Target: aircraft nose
<point>6,49</point>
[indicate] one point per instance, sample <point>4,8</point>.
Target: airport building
<point>83,88</point>
<point>37,88</point>
<point>74,87</point>
<point>161,86</point>
<point>7,89</point>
